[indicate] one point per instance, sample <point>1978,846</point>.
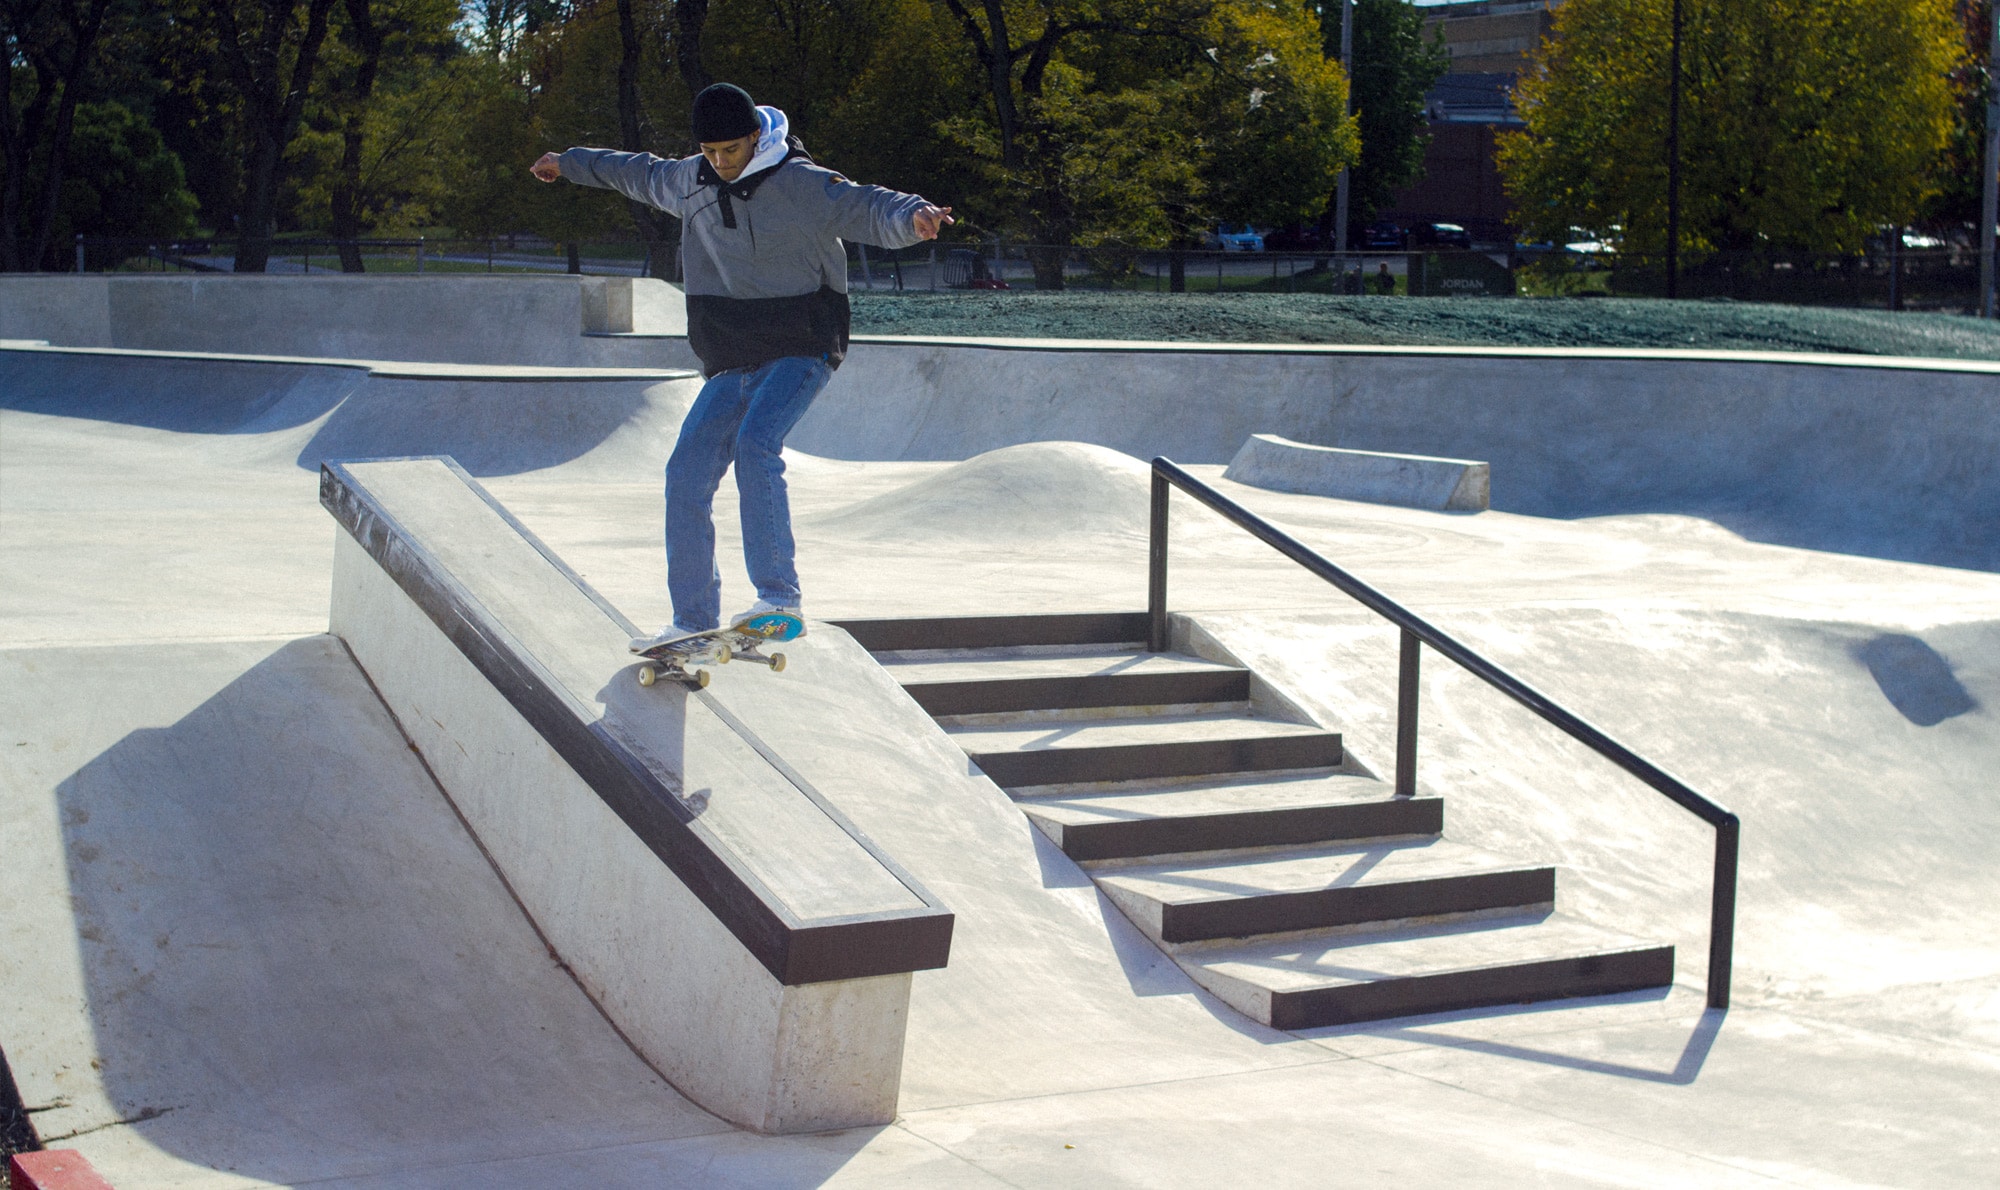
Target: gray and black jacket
<point>763,260</point>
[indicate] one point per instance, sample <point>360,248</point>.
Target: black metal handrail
<point>1415,634</point>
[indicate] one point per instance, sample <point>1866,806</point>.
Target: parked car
<point>1238,237</point>
<point>1299,237</point>
<point>1440,235</point>
<point>1379,236</point>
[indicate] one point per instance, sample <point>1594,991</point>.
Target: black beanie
<point>723,112</point>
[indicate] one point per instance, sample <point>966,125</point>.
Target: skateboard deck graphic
<point>735,642</point>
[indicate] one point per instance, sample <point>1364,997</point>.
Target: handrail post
<point>1156,569</point>
<point>1406,714</point>
<point>1722,913</point>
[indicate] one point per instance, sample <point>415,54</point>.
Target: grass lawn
<point>1436,322</point>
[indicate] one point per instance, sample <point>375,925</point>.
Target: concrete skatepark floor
<point>1430,322</point>
<point>244,942</point>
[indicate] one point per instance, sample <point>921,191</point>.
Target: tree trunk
<point>689,18</point>
<point>32,38</point>
<point>81,49</point>
<point>274,101</point>
<point>14,149</point>
<point>1047,261</point>
<point>654,226</point>
<point>347,189</point>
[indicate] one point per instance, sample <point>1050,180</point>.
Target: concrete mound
<point>1036,490</point>
<point>608,429</point>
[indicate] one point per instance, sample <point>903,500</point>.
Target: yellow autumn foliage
<point>1805,124</point>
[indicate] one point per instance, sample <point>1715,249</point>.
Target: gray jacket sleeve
<point>871,214</point>
<point>638,176</point>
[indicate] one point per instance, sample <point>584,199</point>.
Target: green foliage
<point>1805,123</point>
<point>1960,180</point>
<point>122,180</point>
<point>1394,66</point>
<point>1140,121</point>
<point>1131,122</point>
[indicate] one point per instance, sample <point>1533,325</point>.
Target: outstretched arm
<point>877,215</point>
<point>638,176</point>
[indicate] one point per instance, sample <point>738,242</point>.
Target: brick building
<point>1490,42</point>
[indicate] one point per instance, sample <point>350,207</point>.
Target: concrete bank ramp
<point>606,423</point>
<point>243,927</point>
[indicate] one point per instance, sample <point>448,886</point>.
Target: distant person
<point>766,279</point>
<point>1384,283</point>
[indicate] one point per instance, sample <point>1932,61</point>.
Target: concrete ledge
<point>1413,481</point>
<point>751,943</point>
<point>53,1169</point>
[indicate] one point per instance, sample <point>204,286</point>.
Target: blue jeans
<point>741,416</point>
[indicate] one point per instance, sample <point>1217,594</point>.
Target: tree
<point>122,182</point>
<point>1394,66</point>
<point>1235,95</point>
<point>50,47</point>
<point>1960,179</point>
<point>267,51</point>
<point>655,227</point>
<point>1805,124</point>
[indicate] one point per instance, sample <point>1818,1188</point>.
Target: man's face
<point>728,157</point>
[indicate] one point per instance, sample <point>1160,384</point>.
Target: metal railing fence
<point>1943,279</point>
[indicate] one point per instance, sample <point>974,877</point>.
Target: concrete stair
<point>1228,829</point>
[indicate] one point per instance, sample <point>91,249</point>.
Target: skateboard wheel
<point>777,663</point>
<point>648,675</point>
<point>701,679</point>
<point>723,654</point>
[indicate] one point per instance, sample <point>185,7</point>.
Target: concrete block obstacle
<point>1379,477</point>
<point>755,947</point>
<point>557,320</point>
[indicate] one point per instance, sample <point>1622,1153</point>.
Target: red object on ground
<point>54,1169</point>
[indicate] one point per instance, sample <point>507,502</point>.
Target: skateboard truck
<point>738,641</point>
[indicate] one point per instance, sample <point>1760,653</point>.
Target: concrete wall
<point>558,320</point>
<point>1896,458</point>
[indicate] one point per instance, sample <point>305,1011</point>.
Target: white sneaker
<point>761,608</point>
<point>640,644</point>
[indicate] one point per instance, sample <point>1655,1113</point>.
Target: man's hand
<point>929,219</point>
<point>549,167</point>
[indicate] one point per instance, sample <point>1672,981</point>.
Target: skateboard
<point>735,642</point>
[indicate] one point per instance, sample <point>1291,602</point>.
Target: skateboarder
<point>765,271</point>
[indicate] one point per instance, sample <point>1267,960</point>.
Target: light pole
<point>1340,194</point>
<point>1674,159</point>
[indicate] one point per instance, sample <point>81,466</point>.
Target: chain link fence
<point>1944,279</point>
